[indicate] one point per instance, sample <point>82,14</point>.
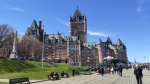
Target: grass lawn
<point>17,69</point>
<point>4,83</point>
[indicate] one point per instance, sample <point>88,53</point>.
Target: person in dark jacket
<point>73,72</point>
<point>102,71</point>
<point>138,74</point>
<point>120,70</point>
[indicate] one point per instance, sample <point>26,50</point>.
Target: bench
<point>86,72</point>
<point>19,80</point>
<point>77,73</point>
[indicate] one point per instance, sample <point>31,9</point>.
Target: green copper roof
<point>113,47</point>
<point>56,36</point>
<point>100,41</point>
<point>119,42</point>
<point>33,27</point>
<point>89,44</point>
<point>109,40</point>
<point>71,38</point>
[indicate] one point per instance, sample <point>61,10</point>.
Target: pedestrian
<point>120,70</point>
<point>73,72</point>
<point>102,71</point>
<point>112,70</point>
<point>138,74</point>
<point>115,70</point>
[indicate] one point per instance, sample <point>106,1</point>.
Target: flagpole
<point>43,48</point>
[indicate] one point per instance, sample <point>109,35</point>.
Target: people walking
<point>73,72</point>
<point>138,74</point>
<point>112,70</point>
<point>120,70</point>
<point>102,71</point>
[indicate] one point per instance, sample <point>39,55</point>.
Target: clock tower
<point>78,26</point>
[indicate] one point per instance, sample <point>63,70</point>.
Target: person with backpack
<point>138,74</point>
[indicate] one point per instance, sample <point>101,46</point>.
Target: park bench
<point>77,73</point>
<point>86,72</point>
<point>19,80</point>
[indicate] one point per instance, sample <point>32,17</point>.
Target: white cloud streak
<point>89,32</point>
<point>97,33</point>
<point>59,20</point>
<point>62,21</point>
<point>16,9</point>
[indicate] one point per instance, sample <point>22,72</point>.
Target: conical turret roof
<point>119,42</point>
<point>100,41</point>
<point>77,13</point>
<point>109,40</point>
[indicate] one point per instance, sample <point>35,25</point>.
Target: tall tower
<point>78,26</point>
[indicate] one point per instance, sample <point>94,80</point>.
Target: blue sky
<point>128,20</point>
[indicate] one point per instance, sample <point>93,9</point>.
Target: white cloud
<point>16,9</point>
<point>59,20</point>
<point>139,9</point>
<point>97,33</point>
<point>62,21</point>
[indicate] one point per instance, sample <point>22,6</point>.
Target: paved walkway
<point>127,78</point>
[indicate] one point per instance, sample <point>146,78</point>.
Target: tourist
<point>120,70</point>
<point>112,70</point>
<point>56,76</point>
<point>102,71</point>
<point>115,69</point>
<point>105,70</point>
<point>73,72</point>
<point>62,74</point>
<point>138,74</point>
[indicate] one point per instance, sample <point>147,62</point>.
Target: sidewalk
<point>127,78</point>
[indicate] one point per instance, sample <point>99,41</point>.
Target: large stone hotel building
<point>75,49</point>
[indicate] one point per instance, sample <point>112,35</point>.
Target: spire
<point>70,18</point>
<point>109,40</point>
<point>77,13</point>
<point>100,41</point>
<point>84,17</point>
<point>119,42</point>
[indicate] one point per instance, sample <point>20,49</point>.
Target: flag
<point>42,27</point>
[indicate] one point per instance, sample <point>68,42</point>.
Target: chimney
<point>40,24</point>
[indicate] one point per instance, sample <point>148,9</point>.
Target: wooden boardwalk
<point>127,78</point>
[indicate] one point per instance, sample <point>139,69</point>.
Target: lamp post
<point>88,60</point>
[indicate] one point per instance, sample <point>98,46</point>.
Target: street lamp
<point>88,60</point>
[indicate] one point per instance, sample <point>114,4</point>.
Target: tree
<point>6,40</point>
<point>5,31</point>
<point>29,48</point>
